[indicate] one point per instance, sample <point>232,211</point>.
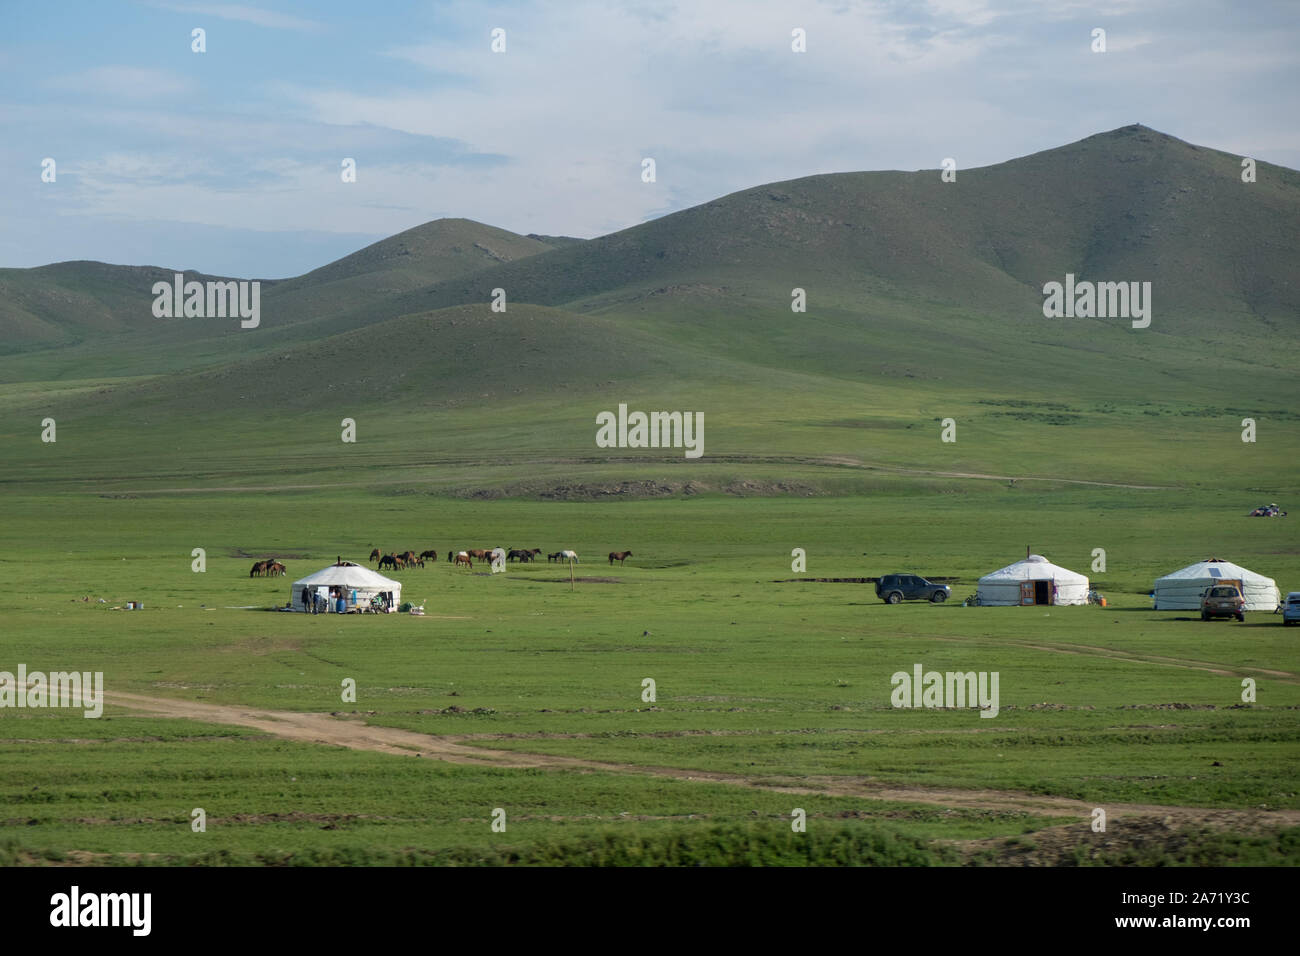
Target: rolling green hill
<point>924,302</point>
<point>97,318</point>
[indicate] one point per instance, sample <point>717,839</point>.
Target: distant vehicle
<point>1291,609</point>
<point>1223,600</point>
<point>893,588</point>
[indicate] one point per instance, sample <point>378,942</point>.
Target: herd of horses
<point>409,559</point>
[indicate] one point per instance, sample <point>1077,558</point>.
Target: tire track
<point>324,729</point>
<point>1127,657</point>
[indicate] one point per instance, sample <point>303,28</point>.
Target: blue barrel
<point>342,606</point>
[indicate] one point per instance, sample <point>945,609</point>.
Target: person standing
<point>307,604</point>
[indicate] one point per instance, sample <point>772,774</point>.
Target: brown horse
<point>275,569</point>
<point>375,555</point>
<point>464,558</point>
<point>258,569</point>
<point>619,556</point>
<point>483,554</point>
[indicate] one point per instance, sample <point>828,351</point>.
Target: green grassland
<point>781,682</point>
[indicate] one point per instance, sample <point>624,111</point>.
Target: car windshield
<point>1223,592</point>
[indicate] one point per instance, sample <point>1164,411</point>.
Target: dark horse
<point>619,556</point>
<point>374,555</point>
<point>388,561</point>
<point>431,555</point>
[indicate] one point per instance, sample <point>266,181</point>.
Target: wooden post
<point>571,574</point>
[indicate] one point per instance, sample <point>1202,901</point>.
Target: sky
<point>230,161</point>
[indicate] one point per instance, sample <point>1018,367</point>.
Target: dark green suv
<point>893,588</point>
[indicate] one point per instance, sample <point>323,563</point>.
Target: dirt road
<point>326,729</point>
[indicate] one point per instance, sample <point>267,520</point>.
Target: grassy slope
<point>101,315</point>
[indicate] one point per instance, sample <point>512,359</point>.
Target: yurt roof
<point>348,576</point>
<point>1035,567</point>
<point>1213,568</point>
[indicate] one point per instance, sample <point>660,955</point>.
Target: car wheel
<point>893,597</point>
<point>938,597</point>
<point>1241,619</point>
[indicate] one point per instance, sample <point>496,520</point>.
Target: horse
<point>258,569</point>
<point>554,556</point>
<point>569,556</point>
<point>619,556</point>
<point>275,569</point>
<point>483,554</point>
<point>523,554</point>
<point>374,555</point>
<point>532,555</point>
<point>464,558</point>
<point>388,561</point>
<point>431,555</point>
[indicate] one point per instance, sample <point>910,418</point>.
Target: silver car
<point>1291,608</point>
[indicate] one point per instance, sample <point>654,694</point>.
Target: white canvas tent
<point>350,577</point>
<point>1181,590</point>
<point>1032,580</point>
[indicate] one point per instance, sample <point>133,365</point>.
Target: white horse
<point>570,556</point>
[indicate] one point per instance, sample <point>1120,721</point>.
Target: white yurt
<point>1032,580</point>
<point>358,586</point>
<point>1181,590</point>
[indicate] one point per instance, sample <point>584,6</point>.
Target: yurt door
<point>1026,592</point>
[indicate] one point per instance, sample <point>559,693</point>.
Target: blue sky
<point>228,161</point>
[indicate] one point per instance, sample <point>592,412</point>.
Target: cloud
<point>124,83</point>
<point>245,14</point>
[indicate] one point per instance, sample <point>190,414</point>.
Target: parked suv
<point>1291,609</point>
<point>1222,600</point>
<point>893,588</point>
